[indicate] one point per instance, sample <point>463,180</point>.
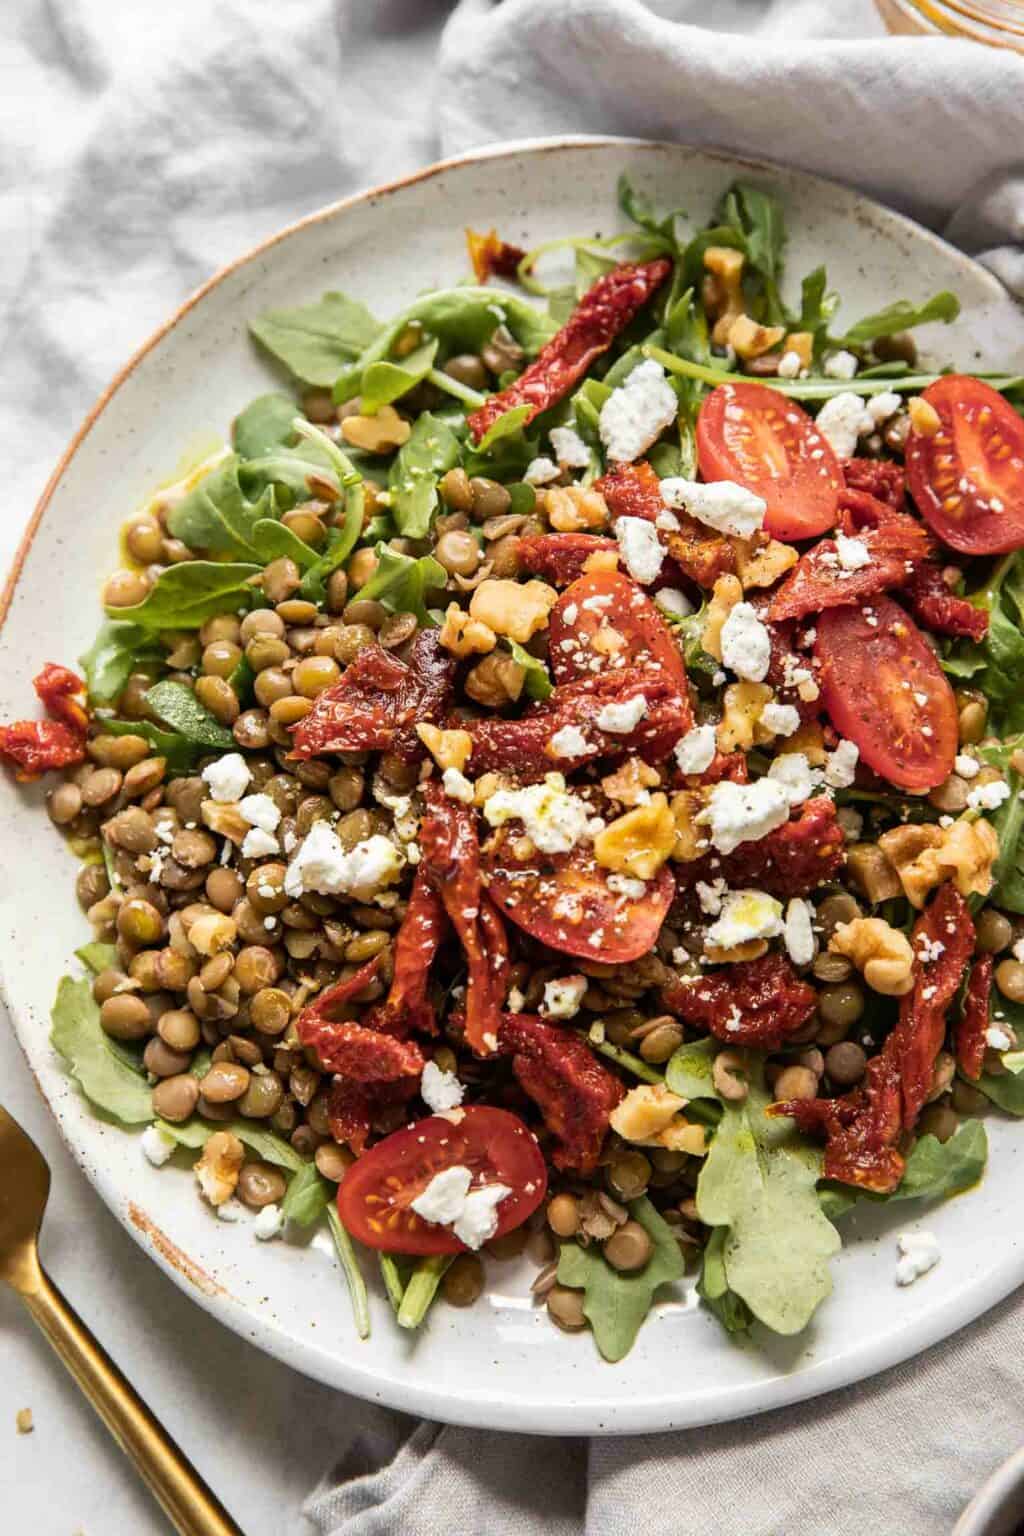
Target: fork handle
<point>190,1505</point>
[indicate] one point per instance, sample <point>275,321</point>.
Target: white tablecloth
<point>140,147</point>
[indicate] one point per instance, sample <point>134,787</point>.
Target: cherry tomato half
<point>754,436</point>
<point>375,1198</point>
<point>885,691</point>
<point>610,602</point>
<point>968,478</point>
<point>564,900</point>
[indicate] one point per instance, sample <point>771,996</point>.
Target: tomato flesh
<point>375,1198</point>
<point>759,439</point>
<point>609,604</point>
<point>885,691</point>
<point>968,478</point>
<point>564,900</point>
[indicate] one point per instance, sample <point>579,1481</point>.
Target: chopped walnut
<point>739,728</point>
<point>464,635</point>
<point>690,841</point>
<point>513,608</point>
<point>725,594</point>
<point>219,1165</point>
<point>631,783</point>
<point>381,433</point>
<point>871,873</point>
<point>449,749</point>
<point>602,560</point>
<point>809,739</point>
<point>225,819</point>
<point>650,1116</point>
<point>639,842</point>
<point>723,289</point>
<point>574,509</point>
<point>924,856</point>
<point>748,339</point>
<point>802,343</point>
<point>880,952</point>
<point>760,564</point>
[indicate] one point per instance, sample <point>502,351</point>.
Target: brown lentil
<point>845,1063</point>
<point>219,698</point>
<point>175,1098</point>
<point>463,1280</point>
<point>565,1307</point>
<point>993,930</point>
<point>125,1017</point>
<point>260,1184</point>
<point>629,1247</point>
<point>1009,977</point>
<point>263,1097</point>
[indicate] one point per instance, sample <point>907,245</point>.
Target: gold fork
<point>24,1186</point>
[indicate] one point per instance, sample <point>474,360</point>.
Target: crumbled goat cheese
<point>881,407</point>
<point>920,1252</point>
<point>745,915</point>
<point>269,1222</point>
<point>569,742</point>
<point>322,865</point>
<point>1017,950</point>
<point>853,554</point>
<point>780,719</point>
<point>439,1089</point>
<point>674,602</point>
<point>743,813</point>
<point>794,775</point>
<point>456,786</point>
<point>570,613</point>
<point>516,1001</point>
<point>562,997</point>
<point>790,364</point>
<point>444,1196</point>
<point>841,765</point>
<point>746,643</point>
<point>988,797</point>
<point>711,895</point>
<point>569,448</point>
<point>554,820</point>
<point>841,421</point>
<point>636,414</point>
<point>620,719</point>
<point>228,777</point>
<point>840,365</point>
<point>625,885</point>
<point>966,767</point>
<point>799,935</point>
<point>257,844</point>
<point>696,749</point>
<point>541,472</point>
<point>997,1038</point>
<point>478,1219</point>
<point>641,548</point>
<point>231,1210</point>
<point>156,1145</point>
<point>722,505</point>
<point>260,811</point>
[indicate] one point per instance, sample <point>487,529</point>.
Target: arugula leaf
<point>537,683</point>
<point>117,652</point>
<point>184,596</point>
<point>275,541</point>
<point>509,424</point>
<point>817,306</point>
<point>179,752</point>
<point>759,1180</point>
<point>760,218</point>
<point>217,516</point>
<point>901,316</point>
<point>431,450</point>
<point>688,1072</point>
<point>996,663</point>
<point>108,1082</point>
<point>616,1303</point>
<point>307,1197</point>
<point>401,582</point>
<point>263,426</point>
<point>353,1274</point>
<point>935,1170</point>
<point>97,957</point>
<point>713,1287</point>
<point>315,341</point>
<point>1008,869</point>
<point>178,707</point>
<point>386,381</point>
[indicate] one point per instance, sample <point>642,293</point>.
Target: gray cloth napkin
<point>164,140</point>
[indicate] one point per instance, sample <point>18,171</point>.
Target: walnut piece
<point>381,433</point>
<point>449,749</point>
<point>880,952</point>
<point>739,727</point>
<point>574,509</point>
<point>639,842</point>
<point>465,636</point>
<point>631,781</point>
<point>219,1165</point>
<point>511,608</point>
<point>650,1116</point>
<point>760,564</point>
<point>725,594</point>
<point>925,856</point>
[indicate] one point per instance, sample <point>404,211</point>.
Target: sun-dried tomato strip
<point>490,255</point>
<point>634,490</point>
<point>37,746</point>
<point>863,1127</point>
<point>974,1021</point>
<point>523,746</point>
<point>560,557</point>
<point>379,702</point>
<point>573,1091</point>
<point>819,580</point>
<point>407,1007</point>
<point>755,1002</point>
<point>356,1050</point>
<point>791,861</point>
<point>352,1107</point>
<point>938,609</point>
<point>603,312</point>
<point>880,478</point>
<point>56,687</point>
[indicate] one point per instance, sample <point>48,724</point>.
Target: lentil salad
<point>574,736</point>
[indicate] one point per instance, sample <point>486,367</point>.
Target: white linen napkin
<point>143,145</point>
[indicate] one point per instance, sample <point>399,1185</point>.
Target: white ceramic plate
<point>501,1364</point>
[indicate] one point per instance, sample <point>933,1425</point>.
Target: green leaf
<point>113,656</point>
<point>996,664</point>
<point>309,1195</point>
<point>179,708</point>
<point>616,1303</point>
<point>263,426</point>
<point>315,341</point>
<point>400,582</point>
<point>216,516</point>
<point>689,1070</point>
<point>432,449</point>
<point>759,216</point>
<point>817,306</point>
<point>274,541</point>
<point>195,1133</point>
<point>509,424</point>
<point>353,1274</point>
<point>386,381</point>
<point>109,1084</point>
<point>759,1180</point>
<point>97,957</point>
<point>902,316</point>
<point>537,683</point>
<point>935,1170</point>
<point>340,544</point>
<point>713,1287</point>
<point>422,1288</point>
<point>184,596</point>
<point>179,752</point>
<point>395,1270</point>
<point>1008,870</point>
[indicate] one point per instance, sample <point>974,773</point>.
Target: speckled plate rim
<point>598,1414</point>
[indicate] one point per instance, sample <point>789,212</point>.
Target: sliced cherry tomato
<point>564,900</point>
<point>754,436</point>
<point>634,633</point>
<point>375,1200</point>
<point>885,691</point>
<point>968,478</point>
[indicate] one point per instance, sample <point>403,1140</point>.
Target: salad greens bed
<point>303,523</point>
